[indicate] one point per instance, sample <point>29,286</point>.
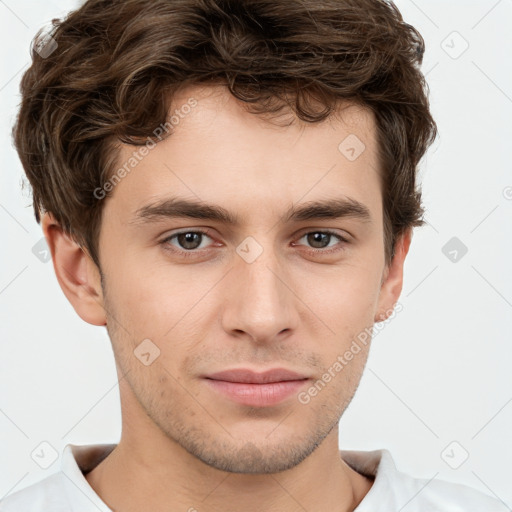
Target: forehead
<point>215,104</point>
<point>218,152</point>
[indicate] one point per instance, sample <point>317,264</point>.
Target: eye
<point>319,240</point>
<point>187,241</point>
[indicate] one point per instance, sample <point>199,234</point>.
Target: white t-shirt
<point>392,491</point>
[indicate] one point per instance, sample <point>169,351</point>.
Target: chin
<point>249,459</point>
<point>263,456</point>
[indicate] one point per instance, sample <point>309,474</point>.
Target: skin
<point>184,446</point>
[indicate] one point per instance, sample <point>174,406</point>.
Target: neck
<point>159,475</point>
<point>149,470</point>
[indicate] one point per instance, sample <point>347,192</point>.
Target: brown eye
<point>190,240</point>
<point>185,241</point>
<point>320,240</point>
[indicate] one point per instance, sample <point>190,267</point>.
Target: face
<point>283,287</point>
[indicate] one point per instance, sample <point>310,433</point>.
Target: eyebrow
<point>313,210</point>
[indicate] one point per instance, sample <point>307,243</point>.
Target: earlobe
<point>76,273</point>
<point>393,280</point>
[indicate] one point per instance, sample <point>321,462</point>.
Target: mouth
<point>255,389</point>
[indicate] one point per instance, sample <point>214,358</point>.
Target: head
<point>296,128</point>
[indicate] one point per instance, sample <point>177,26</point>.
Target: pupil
<point>186,240</point>
<point>315,238</point>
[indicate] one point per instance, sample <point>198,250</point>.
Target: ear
<point>393,278</point>
<point>76,272</point>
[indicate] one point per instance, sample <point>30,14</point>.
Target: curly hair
<point>115,66</point>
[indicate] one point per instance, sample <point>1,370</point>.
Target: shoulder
<point>49,495</point>
<point>66,490</point>
<point>443,496</point>
<point>394,490</point>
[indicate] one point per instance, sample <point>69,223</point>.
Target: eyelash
<point>195,252</point>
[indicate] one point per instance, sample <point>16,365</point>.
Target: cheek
<point>162,307</point>
<point>347,305</point>
<point>152,297</point>
<point>348,295</point>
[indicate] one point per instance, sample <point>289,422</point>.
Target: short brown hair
<point>117,64</point>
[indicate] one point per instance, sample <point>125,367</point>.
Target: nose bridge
<point>261,304</point>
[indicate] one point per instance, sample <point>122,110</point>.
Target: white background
<point>438,373</point>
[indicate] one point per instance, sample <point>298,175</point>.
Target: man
<point>229,186</point>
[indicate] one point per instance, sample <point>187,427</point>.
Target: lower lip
<point>257,395</point>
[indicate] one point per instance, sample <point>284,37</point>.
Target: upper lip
<point>251,377</point>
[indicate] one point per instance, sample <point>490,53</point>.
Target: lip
<point>257,389</point>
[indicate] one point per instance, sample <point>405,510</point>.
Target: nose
<point>260,303</point>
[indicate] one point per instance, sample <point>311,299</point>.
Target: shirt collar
<point>78,460</point>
